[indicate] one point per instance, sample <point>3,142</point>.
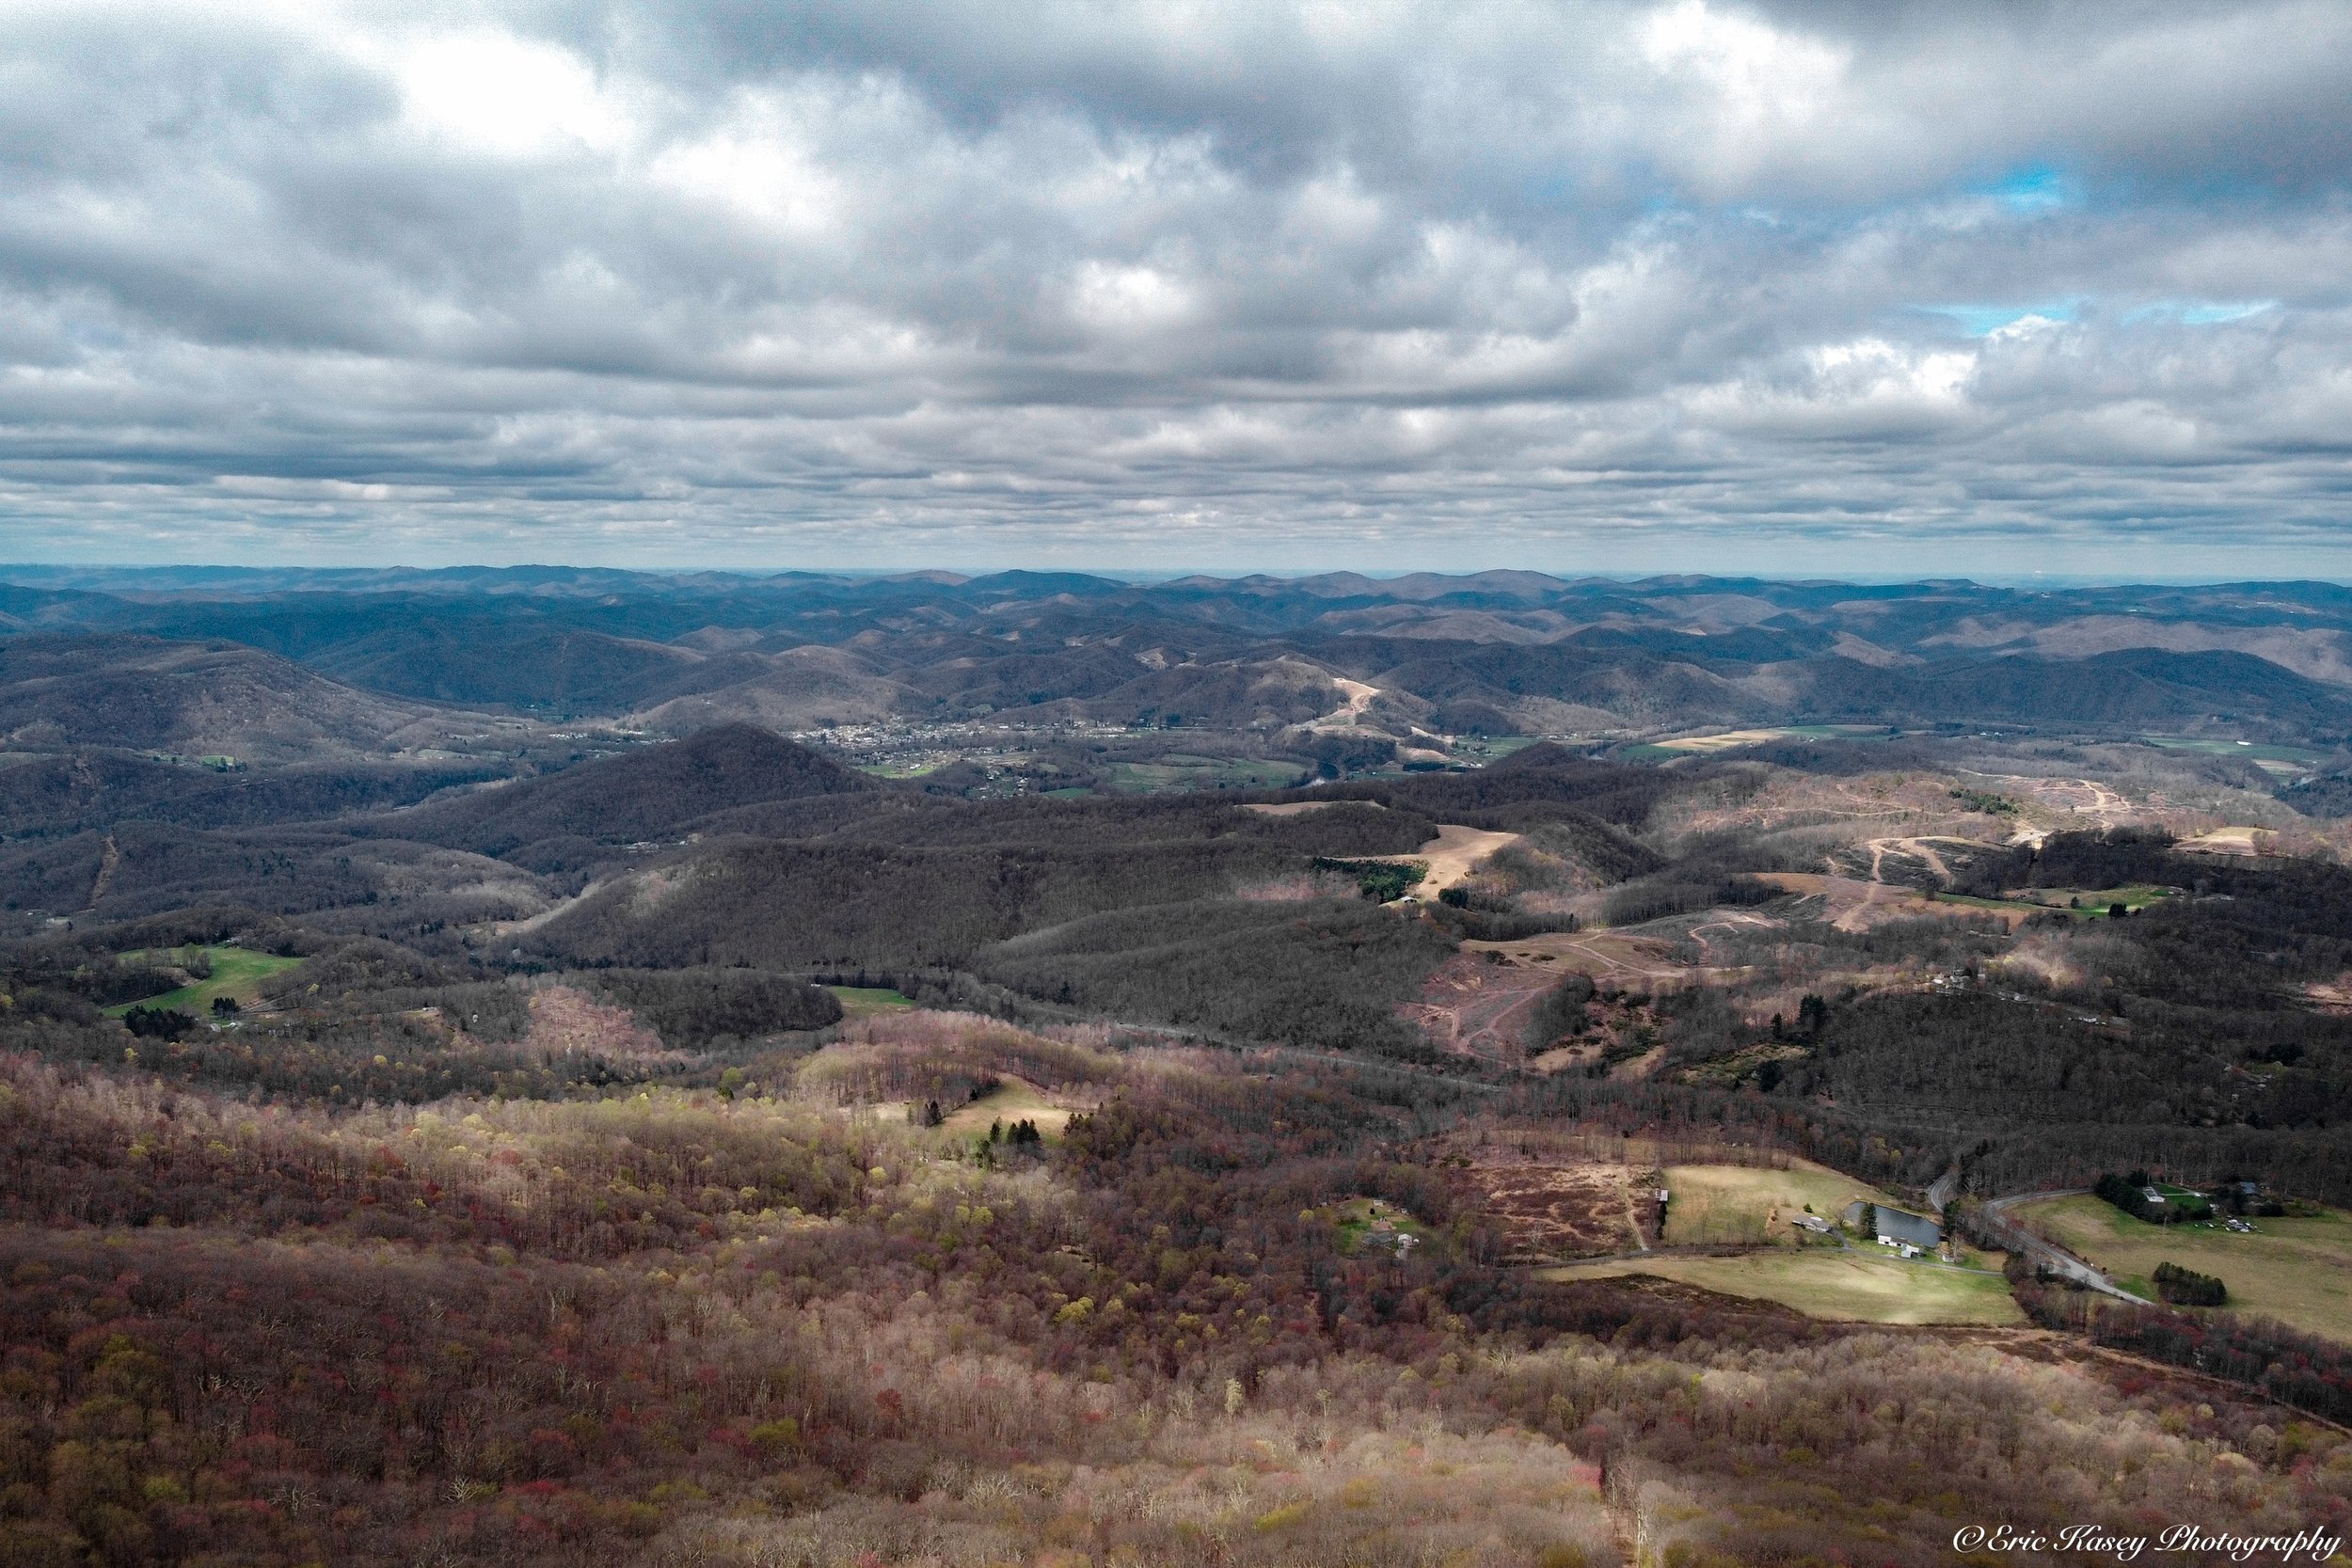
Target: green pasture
<point>2084,903</point>
<point>866,1000</point>
<point>2256,751</point>
<point>1483,748</point>
<point>2298,1271</point>
<point>237,974</point>
<point>1178,771</point>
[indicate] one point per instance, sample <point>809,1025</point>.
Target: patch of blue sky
<point>1982,320</point>
<point>2199,312</point>
<point>2037,188</point>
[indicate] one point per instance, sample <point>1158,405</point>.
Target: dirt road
<point>1359,697</point>
<point>1853,905</point>
<point>1733,921</point>
<point>1921,849</point>
<point>2083,796</point>
<point>1604,956</point>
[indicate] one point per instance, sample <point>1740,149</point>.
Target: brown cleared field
<point>1554,1205</point>
<point>1853,905</point>
<point>1563,1196</point>
<point>1840,1286</point>
<point>2297,1271</point>
<point>1451,856</point>
<point>1749,1205</point>
<point>2230,841</point>
<point>1727,741</point>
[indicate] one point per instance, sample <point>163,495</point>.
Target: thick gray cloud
<point>1870,289</point>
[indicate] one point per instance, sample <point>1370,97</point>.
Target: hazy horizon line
<point>1157,576</point>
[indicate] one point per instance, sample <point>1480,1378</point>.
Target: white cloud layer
<point>1870,289</point>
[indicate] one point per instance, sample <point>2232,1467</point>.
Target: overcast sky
<point>1858,289</point>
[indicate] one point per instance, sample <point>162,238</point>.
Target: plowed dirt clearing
<point>1474,1007</point>
<point>1608,957</point>
<point>1555,1206</point>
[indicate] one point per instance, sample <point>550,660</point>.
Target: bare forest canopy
<point>533,1067</point>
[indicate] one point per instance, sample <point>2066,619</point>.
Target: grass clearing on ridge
<point>1841,1287</point>
<point>866,1000</point>
<point>237,974</point>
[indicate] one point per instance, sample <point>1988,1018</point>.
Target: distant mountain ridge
<point>1491,651</point>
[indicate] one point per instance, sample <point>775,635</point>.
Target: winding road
<point>2057,1261</point>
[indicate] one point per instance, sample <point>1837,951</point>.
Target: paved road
<point>2042,1252</point>
<point>1945,1189</point>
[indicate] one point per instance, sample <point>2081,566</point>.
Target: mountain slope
<point>2133,687</point>
<point>662,792</point>
<point>195,699</point>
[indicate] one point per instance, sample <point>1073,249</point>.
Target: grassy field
<point>866,1000</point>
<point>1483,748</point>
<point>1851,1287</point>
<point>1017,1101</point>
<point>1179,771</point>
<point>237,974</point>
<point>1714,1205</point>
<point>1966,900</point>
<point>2297,1271</point>
<point>2256,751</point>
<point>902,769</point>
<point>2093,903</point>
